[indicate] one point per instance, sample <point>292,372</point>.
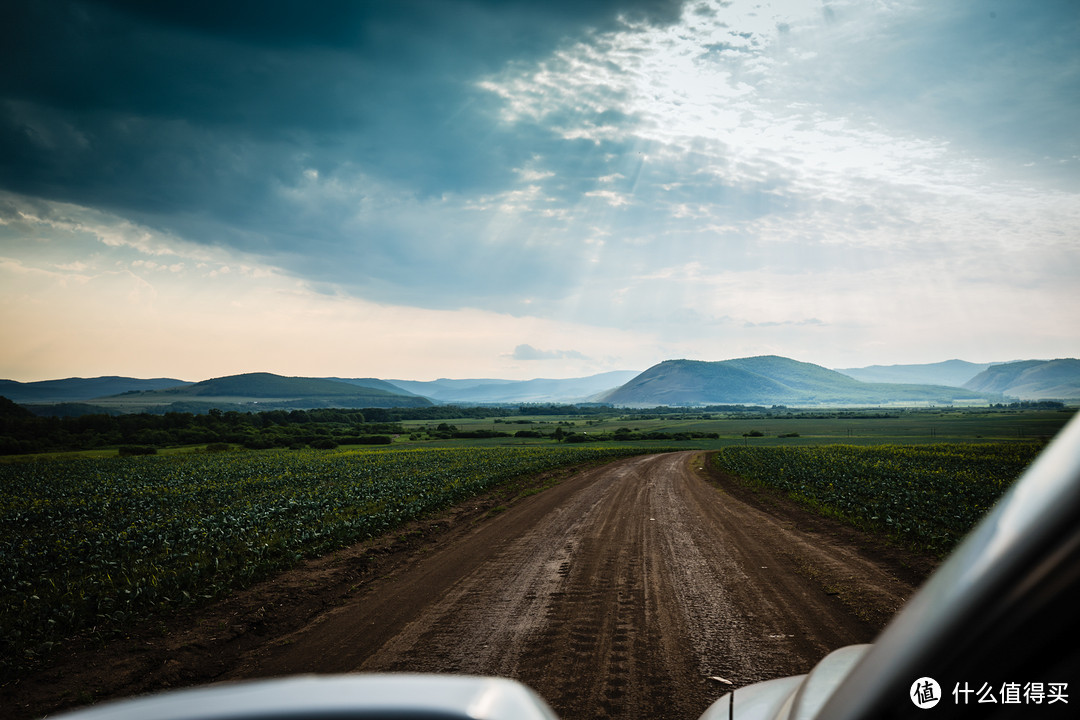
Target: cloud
<point>124,311</point>
<point>703,175</point>
<point>528,352</point>
<point>172,102</point>
<point>344,144</point>
<point>805,321</point>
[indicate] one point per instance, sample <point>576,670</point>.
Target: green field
<point>92,540</point>
<point>925,496</point>
<point>855,427</point>
<point>98,542</point>
<point>25,435</point>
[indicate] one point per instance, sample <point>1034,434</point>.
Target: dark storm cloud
<point>169,110</point>
<point>389,84</point>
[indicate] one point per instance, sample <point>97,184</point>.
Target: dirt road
<point>619,592</point>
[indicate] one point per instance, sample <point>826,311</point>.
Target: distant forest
<point>21,431</point>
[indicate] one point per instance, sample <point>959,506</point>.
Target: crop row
<point>97,542</point>
<point>928,496</point>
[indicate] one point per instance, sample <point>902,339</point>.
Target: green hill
<point>772,380</point>
<point>264,391</point>
<point>264,385</point>
<point>77,389</point>
<point>1031,379</point>
<point>537,390</point>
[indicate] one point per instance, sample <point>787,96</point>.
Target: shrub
<point>367,440</point>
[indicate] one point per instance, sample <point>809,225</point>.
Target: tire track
<point>615,594</point>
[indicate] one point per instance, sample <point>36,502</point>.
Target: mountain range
<point>955,373</point>
<point>540,390</point>
<point>763,380</point>
<point>245,392</point>
<point>79,389</point>
<point>1031,379</point>
<point>774,380</point>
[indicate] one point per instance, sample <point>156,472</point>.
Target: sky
<point>467,189</point>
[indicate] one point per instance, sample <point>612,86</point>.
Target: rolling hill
<point>77,389</point>
<point>262,385</point>
<point>953,373</point>
<point>773,380</point>
<point>374,383</point>
<point>264,391</point>
<point>1031,379</point>
<point>539,390</point>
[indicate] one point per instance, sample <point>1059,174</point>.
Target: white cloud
<point>528,352</point>
<point>151,319</point>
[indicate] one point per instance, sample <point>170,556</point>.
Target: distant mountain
<point>375,384</point>
<point>951,372</point>
<point>262,391</point>
<point>771,380</point>
<point>78,389</point>
<point>445,389</point>
<point>539,390</point>
<point>1031,379</point>
<point>259,385</point>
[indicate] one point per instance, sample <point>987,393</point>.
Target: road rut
<point>618,593</point>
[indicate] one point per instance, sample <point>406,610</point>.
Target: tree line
<point>21,431</point>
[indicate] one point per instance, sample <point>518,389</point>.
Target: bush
<point>474,434</point>
<point>323,444</point>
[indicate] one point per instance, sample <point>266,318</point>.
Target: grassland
<point>853,427</point>
<point>23,436</point>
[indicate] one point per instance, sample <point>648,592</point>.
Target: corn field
<point>928,496</point>
<point>96,543</point>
